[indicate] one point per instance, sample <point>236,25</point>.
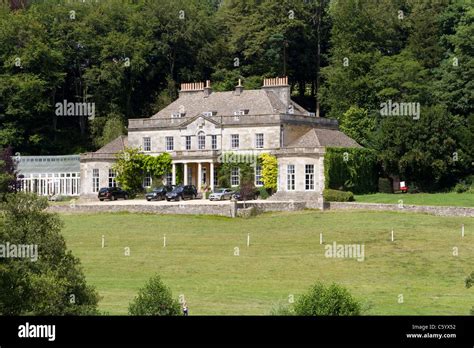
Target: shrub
<point>154,299</point>
<point>269,170</point>
<point>263,193</point>
<point>327,300</point>
<point>337,196</point>
<point>385,185</point>
<point>461,188</point>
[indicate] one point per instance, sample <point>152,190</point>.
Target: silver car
<point>221,194</point>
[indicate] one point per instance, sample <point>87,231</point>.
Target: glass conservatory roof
<point>47,164</point>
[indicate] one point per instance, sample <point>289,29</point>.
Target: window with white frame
<point>235,177</point>
<point>188,142</point>
<point>258,176</point>
<point>146,144</point>
<point>147,180</point>
<point>259,140</point>
<point>214,142</point>
<point>309,177</point>
<point>169,143</point>
<point>201,141</point>
<point>290,177</point>
<point>95,180</point>
<point>234,141</point>
<point>112,176</point>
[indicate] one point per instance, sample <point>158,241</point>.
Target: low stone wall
<point>433,210</point>
<point>195,209</point>
<point>262,207</point>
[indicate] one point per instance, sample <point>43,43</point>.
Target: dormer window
<point>240,112</point>
<point>178,114</point>
<point>209,113</point>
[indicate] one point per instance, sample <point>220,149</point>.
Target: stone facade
<point>201,125</point>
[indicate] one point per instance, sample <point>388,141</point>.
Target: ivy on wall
<point>132,165</point>
<point>351,169</point>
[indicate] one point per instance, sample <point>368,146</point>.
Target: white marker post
<point>392,234</point>
<point>248,239</point>
<point>320,238</point>
<point>103,241</point>
<point>462,230</point>
<point>164,241</point>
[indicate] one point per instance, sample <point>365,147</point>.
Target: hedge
<point>351,169</point>
<point>337,196</point>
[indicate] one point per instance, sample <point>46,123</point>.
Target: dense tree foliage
<point>48,282</point>
<point>344,58</point>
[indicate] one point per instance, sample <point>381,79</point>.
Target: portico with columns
<point>200,173</point>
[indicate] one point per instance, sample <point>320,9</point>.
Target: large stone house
<point>201,125</point>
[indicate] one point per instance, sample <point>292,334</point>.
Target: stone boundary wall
<point>262,207</point>
<point>433,210</point>
<point>201,209</point>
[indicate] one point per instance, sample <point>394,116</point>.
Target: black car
<point>182,192</point>
<point>239,195</point>
<point>112,193</point>
<point>158,193</point>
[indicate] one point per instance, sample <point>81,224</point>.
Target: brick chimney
<point>239,88</point>
<point>279,86</point>
<point>192,87</point>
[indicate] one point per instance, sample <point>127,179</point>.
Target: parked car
<point>221,194</point>
<point>182,192</point>
<point>112,193</point>
<point>249,196</point>
<point>158,193</point>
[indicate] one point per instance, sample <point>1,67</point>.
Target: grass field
<point>284,259</point>
<point>448,199</point>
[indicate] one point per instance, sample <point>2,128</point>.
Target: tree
<point>358,124</point>
<point>327,300</point>
<point>132,165</point>
<point>155,298</point>
<point>8,173</point>
<point>52,283</point>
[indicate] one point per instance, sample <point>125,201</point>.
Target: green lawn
<point>451,198</point>
<point>284,258</point>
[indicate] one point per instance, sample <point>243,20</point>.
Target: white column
<point>199,176</point>
<point>185,173</point>
<point>173,175</point>
<point>211,176</point>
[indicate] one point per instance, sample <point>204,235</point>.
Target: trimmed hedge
<point>338,196</point>
<point>351,169</point>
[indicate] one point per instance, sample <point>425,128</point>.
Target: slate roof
<point>258,102</point>
<point>116,145</point>
<point>317,137</point>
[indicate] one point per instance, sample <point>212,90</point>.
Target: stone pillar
<point>185,173</point>
<point>173,175</point>
<point>211,175</point>
<point>199,177</point>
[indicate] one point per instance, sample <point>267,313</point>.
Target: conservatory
<point>49,175</point>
